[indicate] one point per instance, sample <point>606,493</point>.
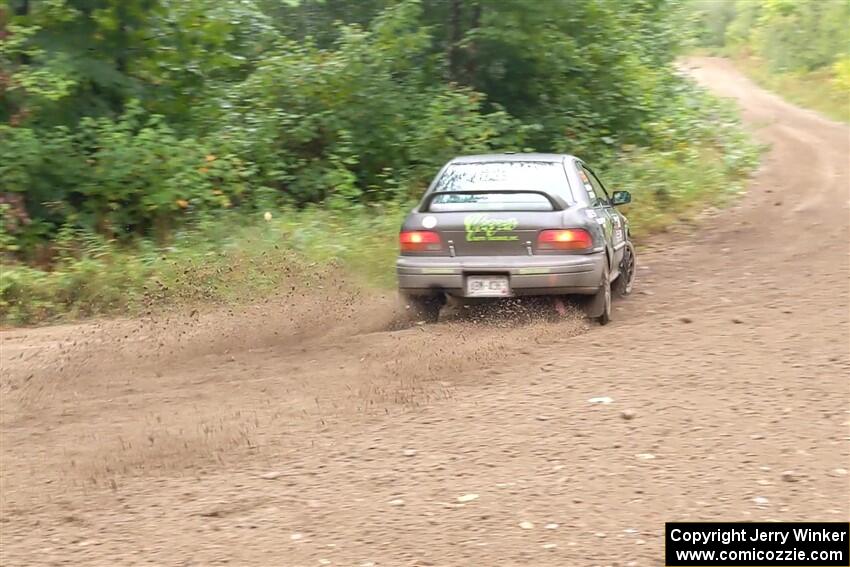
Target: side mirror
<point>621,198</point>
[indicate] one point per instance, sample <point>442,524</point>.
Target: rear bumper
<point>528,275</point>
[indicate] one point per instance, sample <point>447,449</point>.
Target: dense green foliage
<point>127,124</point>
<point>790,35</point>
<point>798,47</point>
<point>125,117</point>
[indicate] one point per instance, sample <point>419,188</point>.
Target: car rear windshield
<point>497,178</point>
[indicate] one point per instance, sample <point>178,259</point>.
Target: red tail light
<point>419,241</point>
<point>565,239</point>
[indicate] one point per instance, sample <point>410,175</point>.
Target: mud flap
<point>598,305</point>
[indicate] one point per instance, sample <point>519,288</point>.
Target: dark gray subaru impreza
<point>509,225</point>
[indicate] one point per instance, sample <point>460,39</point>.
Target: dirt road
<point>285,436</point>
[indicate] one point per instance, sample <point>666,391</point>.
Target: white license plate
<point>487,286</point>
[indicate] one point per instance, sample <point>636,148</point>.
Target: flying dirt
<point>307,433</point>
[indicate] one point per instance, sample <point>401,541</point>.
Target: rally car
<point>516,224</point>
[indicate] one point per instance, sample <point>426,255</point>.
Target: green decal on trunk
<point>481,227</point>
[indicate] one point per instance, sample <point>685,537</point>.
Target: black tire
<point>599,305</point>
<point>424,308</point>
<point>625,282</point>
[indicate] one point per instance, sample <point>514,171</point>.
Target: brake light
<point>564,239</point>
<point>419,241</point>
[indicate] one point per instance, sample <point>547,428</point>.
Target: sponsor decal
<point>480,227</point>
<point>618,229</point>
<point>429,222</point>
<point>585,180</point>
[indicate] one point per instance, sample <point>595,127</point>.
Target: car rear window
<point>496,178</point>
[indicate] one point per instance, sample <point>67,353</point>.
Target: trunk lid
<point>500,233</point>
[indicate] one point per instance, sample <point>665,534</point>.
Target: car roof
<point>512,156</point>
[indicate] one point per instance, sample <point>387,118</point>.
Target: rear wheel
<point>625,281</point>
<point>599,306</point>
<point>424,308</point>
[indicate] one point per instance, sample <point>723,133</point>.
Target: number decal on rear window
<point>587,185</point>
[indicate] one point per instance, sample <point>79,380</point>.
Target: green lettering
<point>481,227</point>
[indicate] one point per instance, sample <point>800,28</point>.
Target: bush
<point>124,178</point>
<point>841,72</point>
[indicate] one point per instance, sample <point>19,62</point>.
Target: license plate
<point>487,286</point>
